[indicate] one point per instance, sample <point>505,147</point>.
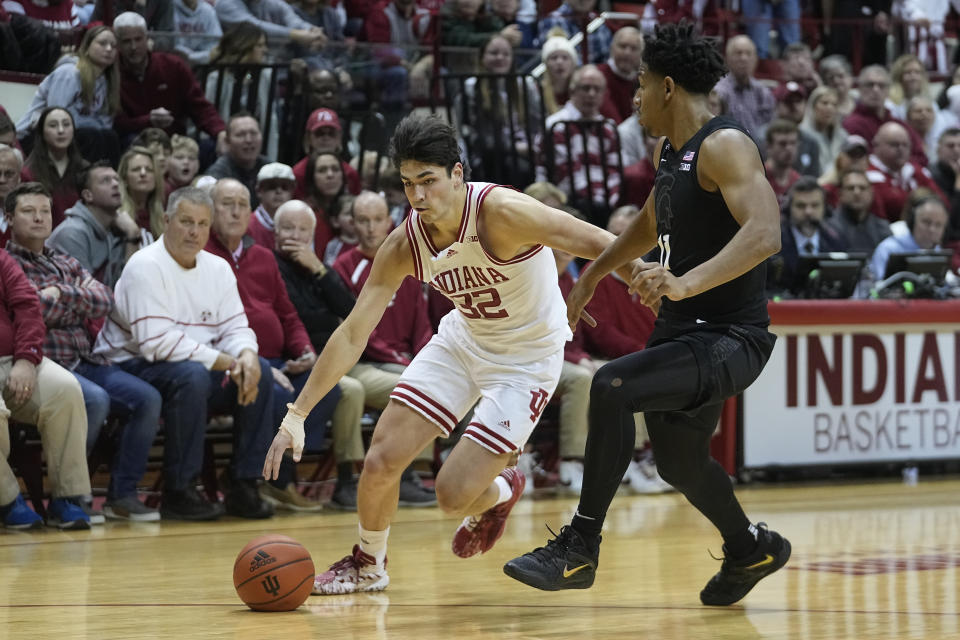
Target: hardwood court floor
<point>869,561</point>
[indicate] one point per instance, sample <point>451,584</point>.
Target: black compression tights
<point>660,379</point>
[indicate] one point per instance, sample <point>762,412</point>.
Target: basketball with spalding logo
<point>273,573</point>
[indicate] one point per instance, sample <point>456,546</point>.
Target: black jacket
<point>320,302</point>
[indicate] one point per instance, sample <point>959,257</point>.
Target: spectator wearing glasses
<point>590,179</point>
<point>871,111</point>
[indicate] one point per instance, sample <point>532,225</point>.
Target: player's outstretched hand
<point>271,466</point>
<point>651,281</point>
<point>579,297</point>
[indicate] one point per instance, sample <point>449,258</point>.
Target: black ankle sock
<point>344,472</point>
<point>741,544</point>
<point>589,528</point>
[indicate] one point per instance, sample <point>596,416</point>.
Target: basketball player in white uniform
<point>483,247</point>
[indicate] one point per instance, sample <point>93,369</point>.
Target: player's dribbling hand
<point>271,466</point>
<point>652,282</point>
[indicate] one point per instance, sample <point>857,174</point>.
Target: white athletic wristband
<point>293,425</point>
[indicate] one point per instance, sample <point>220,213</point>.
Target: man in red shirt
<point>871,111</point>
<point>620,70</point>
<point>893,174</point>
<point>402,332</point>
<point>158,89</point>
<point>281,336</point>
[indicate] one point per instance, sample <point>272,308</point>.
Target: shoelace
<point>347,563</point>
<point>546,552</point>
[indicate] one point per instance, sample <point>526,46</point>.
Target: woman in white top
<point>88,86</point>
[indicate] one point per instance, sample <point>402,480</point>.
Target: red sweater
<point>623,322</point>
<point>891,190</point>
<point>21,322</point>
<point>169,83</point>
<point>574,350</point>
<point>273,318</point>
<point>618,103</point>
<point>405,326</point>
<point>300,173</point>
<point>864,122</point>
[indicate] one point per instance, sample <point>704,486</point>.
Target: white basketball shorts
<point>448,376</point>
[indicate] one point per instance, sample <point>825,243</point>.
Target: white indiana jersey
<point>512,310</point>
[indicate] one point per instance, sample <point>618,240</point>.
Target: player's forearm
<point>634,242</point>
<point>751,245</point>
<point>337,358</point>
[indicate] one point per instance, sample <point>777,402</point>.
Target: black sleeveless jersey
<point>693,225</point>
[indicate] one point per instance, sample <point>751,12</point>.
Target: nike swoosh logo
<point>569,572</point>
<point>767,560</point>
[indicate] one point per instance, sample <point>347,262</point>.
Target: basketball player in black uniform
<point>715,220</point>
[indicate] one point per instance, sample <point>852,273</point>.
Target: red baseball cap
<point>323,118</point>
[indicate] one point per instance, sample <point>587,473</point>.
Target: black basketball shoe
<point>567,562</point>
<point>737,577</point>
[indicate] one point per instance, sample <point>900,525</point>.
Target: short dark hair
<point>780,126</point>
<point>691,59</point>
<point>806,184</point>
<point>84,175</point>
<point>952,131</point>
<point>855,172</point>
<point>426,139</point>
<point>24,189</point>
<point>243,113</point>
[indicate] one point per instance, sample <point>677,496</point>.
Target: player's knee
<point>450,496</point>
<point>607,386</point>
<point>380,465</point>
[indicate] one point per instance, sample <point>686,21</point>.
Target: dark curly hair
<point>691,59</point>
<point>426,139</point>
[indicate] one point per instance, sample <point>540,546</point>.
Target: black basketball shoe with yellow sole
<point>566,562</point>
<point>737,577</point>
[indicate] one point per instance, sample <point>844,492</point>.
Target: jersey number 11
<point>663,241</point>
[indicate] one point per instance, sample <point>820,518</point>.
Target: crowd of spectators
<point>192,201</point>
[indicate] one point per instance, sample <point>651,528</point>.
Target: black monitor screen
<point>933,262</point>
<point>829,275</point>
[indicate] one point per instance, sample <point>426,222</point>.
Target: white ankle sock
<point>374,543</point>
<point>505,491</point>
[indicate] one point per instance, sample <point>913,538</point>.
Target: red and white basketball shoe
<point>356,573</point>
<point>475,536</point>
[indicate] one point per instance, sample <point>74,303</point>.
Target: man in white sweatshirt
<point>179,324</point>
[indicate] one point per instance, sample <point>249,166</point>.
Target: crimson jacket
<point>279,331</point>
<point>168,82</point>
<point>21,323</point>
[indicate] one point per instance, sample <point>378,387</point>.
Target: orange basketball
<point>273,573</point>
